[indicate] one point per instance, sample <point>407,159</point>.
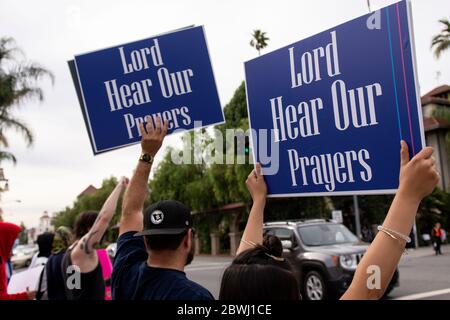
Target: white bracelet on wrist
<point>394,234</point>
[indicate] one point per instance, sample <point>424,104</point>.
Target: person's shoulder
<point>128,241</point>
<point>129,238</point>
<point>130,250</point>
<point>194,291</point>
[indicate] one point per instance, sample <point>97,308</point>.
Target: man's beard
<point>190,257</point>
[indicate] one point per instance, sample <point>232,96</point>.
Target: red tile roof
<point>88,191</point>
<point>434,96</point>
<point>438,91</point>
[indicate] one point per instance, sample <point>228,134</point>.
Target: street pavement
<point>423,276</point>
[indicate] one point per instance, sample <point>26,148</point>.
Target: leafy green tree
<point>18,84</point>
<point>83,203</point>
<point>441,41</point>
<point>187,183</point>
<point>228,180</point>
<point>434,208</point>
<point>235,111</point>
<point>259,40</point>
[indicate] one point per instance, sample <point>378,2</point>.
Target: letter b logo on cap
<point>157,217</point>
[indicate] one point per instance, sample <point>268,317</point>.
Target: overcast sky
<point>60,165</point>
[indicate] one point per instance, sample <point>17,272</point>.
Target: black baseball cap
<point>165,218</point>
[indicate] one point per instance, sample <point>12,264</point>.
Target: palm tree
<point>17,85</point>
<point>259,40</point>
<point>441,41</point>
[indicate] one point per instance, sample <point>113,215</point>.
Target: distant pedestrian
<point>53,268</point>
<point>367,233</point>
<point>436,237</point>
<point>45,242</point>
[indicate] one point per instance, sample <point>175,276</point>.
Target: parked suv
<point>323,253</point>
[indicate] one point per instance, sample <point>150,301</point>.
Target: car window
<point>325,234</point>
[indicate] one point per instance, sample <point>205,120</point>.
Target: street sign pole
<point>357,219</point>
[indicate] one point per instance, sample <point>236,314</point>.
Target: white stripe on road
<point>424,295</point>
<point>199,264</point>
<point>207,267</point>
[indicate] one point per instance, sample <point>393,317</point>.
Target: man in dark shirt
<point>149,265</point>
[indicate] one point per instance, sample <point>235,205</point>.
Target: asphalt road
<point>422,274</point>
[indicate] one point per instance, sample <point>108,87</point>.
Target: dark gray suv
<point>324,254</point>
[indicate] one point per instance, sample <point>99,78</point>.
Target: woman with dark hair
<point>259,273</point>
<point>82,271</point>
<point>418,178</point>
<point>269,253</point>
<point>258,282</point>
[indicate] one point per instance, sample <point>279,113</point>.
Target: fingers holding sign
<point>153,136</point>
<point>256,184</point>
<point>418,176</point>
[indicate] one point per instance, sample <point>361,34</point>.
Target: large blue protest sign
<point>338,103</point>
<point>169,76</point>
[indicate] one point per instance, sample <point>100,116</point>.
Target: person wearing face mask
<point>154,244</point>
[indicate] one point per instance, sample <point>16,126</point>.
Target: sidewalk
<point>426,251</point>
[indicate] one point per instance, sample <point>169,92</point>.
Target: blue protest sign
<point>169,76</point>
<point>338,103</point>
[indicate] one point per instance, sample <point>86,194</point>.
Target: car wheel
<point>386,293</point>
<point>314,286</point>
<point>392,285</point>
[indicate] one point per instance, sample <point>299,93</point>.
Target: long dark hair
<point>84,223</point>
<point>260,273</point>
<point>258,282</point>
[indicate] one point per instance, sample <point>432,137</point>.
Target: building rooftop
<point>438,95</point>
<point>45,215</point>
<point>88,191</point>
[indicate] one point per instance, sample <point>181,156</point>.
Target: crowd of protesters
<point>155,244</point>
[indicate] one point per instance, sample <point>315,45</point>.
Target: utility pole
<point>357,219</point>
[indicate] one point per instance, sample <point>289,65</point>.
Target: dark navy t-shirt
<point>133,279</point>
